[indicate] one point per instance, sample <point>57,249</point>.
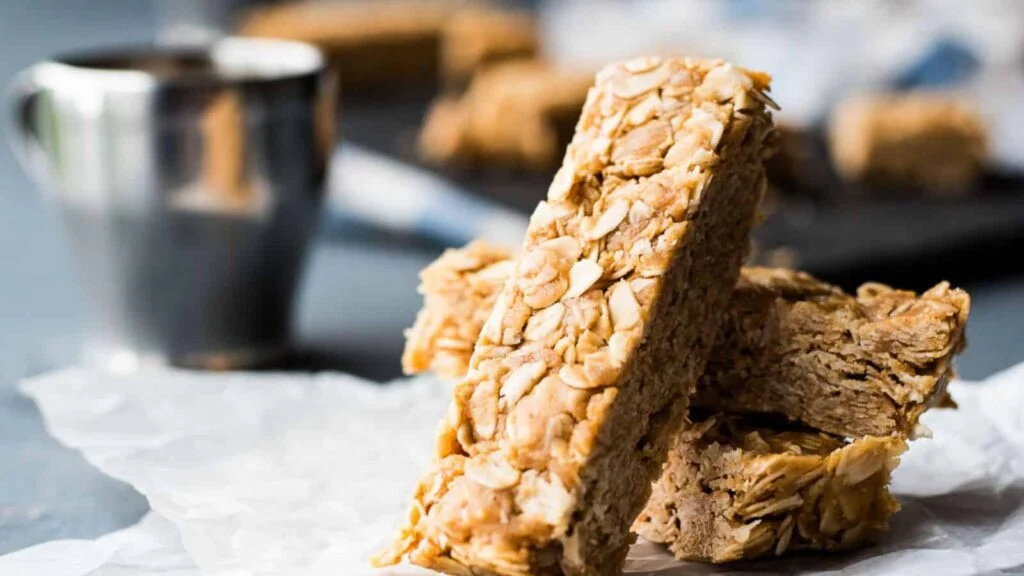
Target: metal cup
<point>189,181</point>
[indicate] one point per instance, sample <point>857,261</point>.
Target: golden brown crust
<point>918,139</point>
<point>732,490</point>
<point>553,438</point>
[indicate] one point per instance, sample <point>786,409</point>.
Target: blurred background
<point>901,160</point>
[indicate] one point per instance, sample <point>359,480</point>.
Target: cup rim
<point>231,61</point>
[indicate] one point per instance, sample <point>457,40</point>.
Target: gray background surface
<point>356,299</point>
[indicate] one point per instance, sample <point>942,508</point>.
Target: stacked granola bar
<point>850,374</point>
<point>624,345</point>
<point>864,365</point>
<point>733,489</point>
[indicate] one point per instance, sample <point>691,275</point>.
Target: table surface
<point>356,298</point>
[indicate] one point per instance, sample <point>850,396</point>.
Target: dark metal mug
<point>189,181</point>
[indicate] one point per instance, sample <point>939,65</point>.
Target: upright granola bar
<point>583,370</point>
<point>732,490</point>
<point>790,344</point>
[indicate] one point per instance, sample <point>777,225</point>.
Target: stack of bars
<point>802,412</point>
<point>643,382</point>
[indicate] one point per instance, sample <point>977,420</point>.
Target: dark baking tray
<point>842,234</point>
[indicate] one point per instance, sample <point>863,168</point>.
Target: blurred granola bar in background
<point>394,42</point>
<point>924,140</point>
<point>401,42</point>
<point>480,35</point>
<point>518,114</point>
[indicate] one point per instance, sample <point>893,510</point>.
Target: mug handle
<point>24,135</point>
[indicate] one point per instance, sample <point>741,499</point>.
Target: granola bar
<point>370,44</point>
<point>553,438</point>
<point>401,42</point>
<point>732,490</point>
<point>925,140</point>
<point>861,365</point>
<point>518,113</point>
<point>459,291</point>
<point>868,364</point>
<point>480,36</point>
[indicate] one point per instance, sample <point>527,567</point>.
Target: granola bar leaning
<point>868,364</point>
<point>583,370</point>
<point>732,490</point>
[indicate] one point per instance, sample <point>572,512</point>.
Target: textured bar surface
<point>582,372</point>
<point>868,364</point>
<point>459,291</point>
<point>732,490</point>
<point>864,365</point>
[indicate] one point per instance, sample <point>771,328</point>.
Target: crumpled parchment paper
<point>282,474</point>
<point>150,547</point>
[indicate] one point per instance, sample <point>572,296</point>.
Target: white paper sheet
<point>152,546</point>
<point>274,474</point>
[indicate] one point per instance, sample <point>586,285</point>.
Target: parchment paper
<point>277,474</point>
<point>150,547</point>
